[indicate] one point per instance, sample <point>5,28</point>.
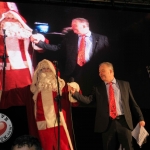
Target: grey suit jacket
<point>99,95</point>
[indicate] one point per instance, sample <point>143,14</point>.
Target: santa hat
<point>10,7</point>
<point>42,64</point>
<point>6,6</point>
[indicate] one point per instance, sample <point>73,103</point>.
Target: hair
<point>82,20</point>
<point>27,140</point>
<point>108,64</point>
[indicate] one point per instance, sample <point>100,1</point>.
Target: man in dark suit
<point>119,127</point>
<point>96,51</point>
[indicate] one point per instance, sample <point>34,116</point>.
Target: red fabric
<point>16,91</point>
<point>16,88</point>
<point>112,103</point>
<point>81,52</point>
<point>49,139</point>
<point>14,78</point>
<point>4,8</point>
<point>48,134</point>
<point>15,83</point>
<point>21,97</point>
<point>39,112</point>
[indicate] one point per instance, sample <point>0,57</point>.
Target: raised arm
<point>39,41</point>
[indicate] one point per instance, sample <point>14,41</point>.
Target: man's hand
<point>142,123</point>
<point>34,39</point>
<point>71,89</point>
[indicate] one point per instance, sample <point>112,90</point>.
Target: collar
<point>113,81</point>
<point>88,34</point>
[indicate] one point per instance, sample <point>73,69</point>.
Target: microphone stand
<point>4,57</point>
<point>58,99</point>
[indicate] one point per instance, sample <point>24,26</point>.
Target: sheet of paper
<point>139,133</point>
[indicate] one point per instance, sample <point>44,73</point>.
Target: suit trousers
<point>117,133</point>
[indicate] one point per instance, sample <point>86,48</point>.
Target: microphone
<point>35,31</point>
<point>4,32</point>
<point>71,79</point>
<point>55,62</point>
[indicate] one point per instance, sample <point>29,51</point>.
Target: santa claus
<point>44,86</point>
<point>16,77</point>
<point>16,64</point>
<point>14,34</point>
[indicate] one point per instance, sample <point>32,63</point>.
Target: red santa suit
<point>45,88</point>
<point>16,76</point>
<point>18,63</point>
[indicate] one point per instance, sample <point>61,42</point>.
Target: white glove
<point>35,39</point>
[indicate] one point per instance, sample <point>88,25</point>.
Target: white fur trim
<point>41,125</point>
<point>76,87</point>
<point>18,17</point>
<point>12,6</point>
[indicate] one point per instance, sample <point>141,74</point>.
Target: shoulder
<point>123,82</point>
<point>100,38</point>
<point>98,35</point>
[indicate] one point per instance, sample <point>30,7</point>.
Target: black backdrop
<point>127,30</point>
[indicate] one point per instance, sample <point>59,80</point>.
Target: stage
<point>83,124</point>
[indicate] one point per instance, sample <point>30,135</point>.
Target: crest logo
<point>6,128</point>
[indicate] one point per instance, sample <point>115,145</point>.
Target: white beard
<point>14,29</point>
<point>47,81</point>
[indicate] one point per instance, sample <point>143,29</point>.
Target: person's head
<point>26,142</point>
<point>11,21</point>
<point>44,77</point>
<point>80,26</point>
<point>106,71</point>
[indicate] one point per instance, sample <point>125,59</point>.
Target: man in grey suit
<point>119,128</point>
<point>96,51</point>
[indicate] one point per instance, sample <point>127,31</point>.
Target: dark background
<point>129,35</point>
<point>128,32</point>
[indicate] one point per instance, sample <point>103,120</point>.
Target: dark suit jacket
<point>102,113</point>
<point>69,50</point>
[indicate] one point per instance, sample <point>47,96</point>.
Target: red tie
<point>81,52</point>
<point>112,104</point>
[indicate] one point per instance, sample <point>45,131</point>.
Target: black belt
<point>117,118</point>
